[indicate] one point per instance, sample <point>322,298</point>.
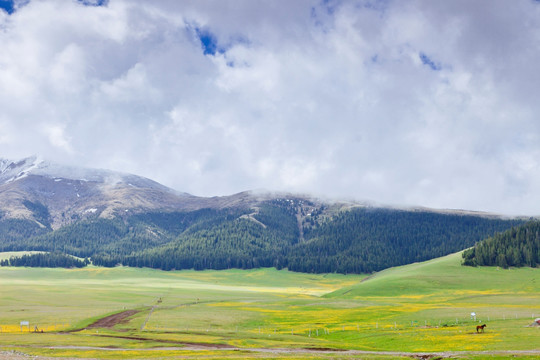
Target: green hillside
<point>518,246</point>
<point>442,277</point>
<point>282,233</point>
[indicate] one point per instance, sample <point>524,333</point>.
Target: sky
<point>414,103</point>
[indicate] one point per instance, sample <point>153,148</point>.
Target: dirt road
<point>112,320</point>
<point>14,355</point>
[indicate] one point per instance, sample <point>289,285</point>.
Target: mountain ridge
<point>118,218</point>
<point>75,191</point>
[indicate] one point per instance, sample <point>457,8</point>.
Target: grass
<point>16,254</point>
<point>422,307</point>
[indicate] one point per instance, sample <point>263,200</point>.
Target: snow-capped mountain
<point>71,193</point>
<point>66,194</point>
<point>131,220</point>
<point>11,171</point>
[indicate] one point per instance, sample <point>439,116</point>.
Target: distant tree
<point>518,246</point>
<point>52,260</point>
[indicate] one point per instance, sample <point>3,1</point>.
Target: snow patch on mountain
<point>11,171</point>
<point>15,170</point>
<point>71,193</point>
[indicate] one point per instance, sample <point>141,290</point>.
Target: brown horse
<point>480,327</point>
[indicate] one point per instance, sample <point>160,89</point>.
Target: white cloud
<point>57,137</point>
<point>420,102</point>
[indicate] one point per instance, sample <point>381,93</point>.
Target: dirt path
<point>168,308</point>
<point>123,317</point>
<point>15,355</point>
<point>147,318</point>
<point>112,320</point>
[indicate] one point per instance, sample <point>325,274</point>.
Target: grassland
<point>416,309</point>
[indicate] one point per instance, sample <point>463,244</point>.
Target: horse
<point>480,327</point>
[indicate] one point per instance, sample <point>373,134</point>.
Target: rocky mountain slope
<point>71,193</point>
<point>117,218</point>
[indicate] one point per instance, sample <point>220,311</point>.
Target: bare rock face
<point>64,194</point>
<point>53,195</point>
<point>71,193</point>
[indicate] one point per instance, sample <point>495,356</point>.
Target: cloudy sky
<point>433,103</point>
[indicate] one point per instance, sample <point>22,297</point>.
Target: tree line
<point>51,260</point>
<point>359,240</point>
<point>516,247</point>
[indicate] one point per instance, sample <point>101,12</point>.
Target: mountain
<point>70,194</point>
<point>116,218</point>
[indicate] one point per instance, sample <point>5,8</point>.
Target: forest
<point>54,259</point>
<point>278,233</point>
<point>516,247</point>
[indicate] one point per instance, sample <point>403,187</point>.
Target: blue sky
<point>10,6</point>
<point>7,5</point>
<point>208,41</point>
<point>430,103</point>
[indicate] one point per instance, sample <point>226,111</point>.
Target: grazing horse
<point>480,327</point>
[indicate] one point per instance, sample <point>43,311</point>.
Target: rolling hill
<point>441,277</point>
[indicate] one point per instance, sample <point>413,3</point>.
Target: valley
<point>422,308</point>
<point>111,266</point>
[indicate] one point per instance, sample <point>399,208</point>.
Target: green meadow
<point>265,313</point>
